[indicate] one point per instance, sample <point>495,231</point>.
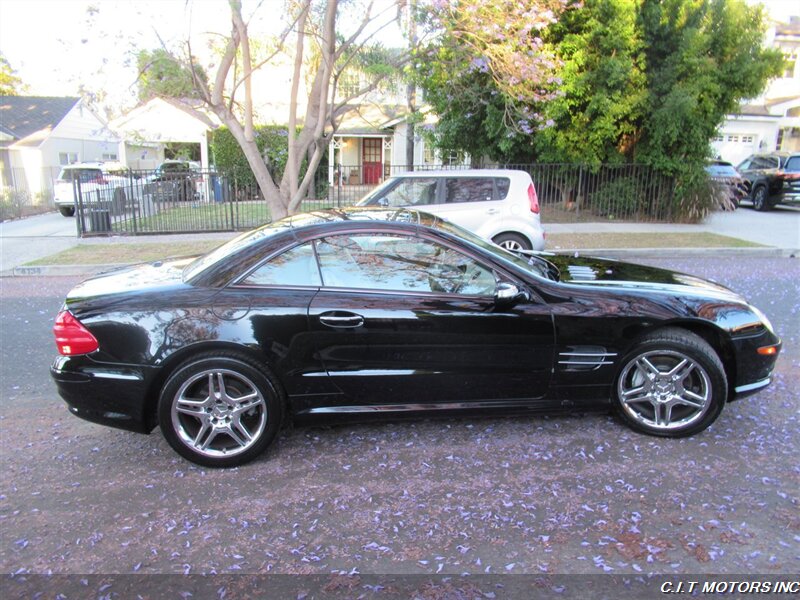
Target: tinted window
<point>469,189</point>
<point>793,164</point>
<point>765,162</point>
<point>297,266</point>
<point>416,191</point>
<point>503,184</point>
<point>400,263</point>
<point>744,165</point>
<point>85,175</point>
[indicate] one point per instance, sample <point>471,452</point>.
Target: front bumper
<point>111,395</point>
<point>753,370</point>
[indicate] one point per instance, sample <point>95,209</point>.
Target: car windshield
<point>532,263</point>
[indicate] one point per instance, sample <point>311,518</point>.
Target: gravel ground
<point>576,495</point>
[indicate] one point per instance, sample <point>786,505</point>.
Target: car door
<point>472,202</point>
<point>403,320</point>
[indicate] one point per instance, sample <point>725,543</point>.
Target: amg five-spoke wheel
<point>219,410</point>
<point>671,384</point>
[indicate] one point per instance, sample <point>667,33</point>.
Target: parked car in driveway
<point>772,179</point>
<point>727,182</point>
<point>174,180</point>
<point>498,204</point>
<point>388,312</point>
<point>101,184</point>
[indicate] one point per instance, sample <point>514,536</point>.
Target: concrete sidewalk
<point>779,230</point>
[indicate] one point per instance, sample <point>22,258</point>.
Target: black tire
<point>672,400</point>
<point>118,202</point>
<point>512,241</point>
<point>760,198</point>
<point>67,211</point>
<point>229,427</point>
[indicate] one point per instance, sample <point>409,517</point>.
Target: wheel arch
<point>710,333</point>
<point>180,356</point>
<point>505,231</point>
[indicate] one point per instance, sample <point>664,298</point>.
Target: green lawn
<point>115,252</point>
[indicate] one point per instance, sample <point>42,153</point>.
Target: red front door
<point>371,149</point>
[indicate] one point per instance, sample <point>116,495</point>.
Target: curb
<point>615,253</point>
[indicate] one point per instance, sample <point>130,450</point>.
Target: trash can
<point>99,220</point>
<point>217,186</point>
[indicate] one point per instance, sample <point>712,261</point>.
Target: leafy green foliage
<point>10,83</point>
<point>648,81</point>
<point>271,140</point>
<point>162,75</point>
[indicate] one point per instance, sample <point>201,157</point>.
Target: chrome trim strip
<point>588,363</point>
<point>328,410</point>
<point>120,376</point>
<point>752,386</point>
<point>598,355</point>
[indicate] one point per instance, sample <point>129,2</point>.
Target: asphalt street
<point>578,494</point>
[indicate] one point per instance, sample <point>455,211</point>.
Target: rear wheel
<point>220,410</point>
<point>672,384</point>
<point>512,241</point>
<point>760,198</point>
<point>67,211</point>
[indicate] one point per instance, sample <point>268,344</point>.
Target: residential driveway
<point>530,495</point>
<point>779,227</point>
<point>24,240</point>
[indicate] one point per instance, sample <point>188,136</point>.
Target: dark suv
<point>772,179</point>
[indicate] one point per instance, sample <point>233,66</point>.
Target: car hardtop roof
<point>360,217</point>
<point>512,173</point>
<point>97,164</point>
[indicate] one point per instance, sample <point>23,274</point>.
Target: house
<point>771,122</point>
<point>40,134</point>
<point>160,128</point>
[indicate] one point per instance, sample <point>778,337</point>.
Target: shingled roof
<point>21,116</point>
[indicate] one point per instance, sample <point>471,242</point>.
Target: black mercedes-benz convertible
<point>386,312</point>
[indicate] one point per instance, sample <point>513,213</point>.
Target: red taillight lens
<point>533,199</point>
<point>71,336</point>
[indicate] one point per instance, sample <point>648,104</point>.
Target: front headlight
<point>763,318</point>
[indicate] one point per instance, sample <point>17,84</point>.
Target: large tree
<point>10,83</point>
<point>643,80</point>
<point>321,51</point>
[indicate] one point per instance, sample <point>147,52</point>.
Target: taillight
<point>71,336</point>
<point>533,199</point>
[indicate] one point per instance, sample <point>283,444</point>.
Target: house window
<point>109,156</point>
<point>67,158</point>
<point>719,138</point>
<point>747,139</point>
<point>349,85</point>
<point>428,155</point>
<point>733,138</point>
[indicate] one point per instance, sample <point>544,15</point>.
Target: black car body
<point>282,316</point>
<point>772,179</point>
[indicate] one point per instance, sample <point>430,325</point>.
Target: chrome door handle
<point>492,211</point>
<point>341,320</point>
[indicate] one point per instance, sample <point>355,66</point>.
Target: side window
<point>746,164</point>
<point>503,184</point>
<point>400,263</point>
<point>297,266</point>
<point>412,191</point>
<point>793,164</point>
<point>469,189</point>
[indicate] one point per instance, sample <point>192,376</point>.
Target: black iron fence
<point>139,202</point>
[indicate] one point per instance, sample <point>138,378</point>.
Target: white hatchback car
<point>497,204</point>
<point>106,183</point>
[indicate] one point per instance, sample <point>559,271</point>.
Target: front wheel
<point>512,241</point>
<point>760,198</point>
<point>672,384</point>
<point>220,410</point>
<point>67,211</point>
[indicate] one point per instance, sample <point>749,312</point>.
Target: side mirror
<point>383,202</point>
<point>507,294</point>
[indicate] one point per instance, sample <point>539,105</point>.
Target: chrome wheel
<point>511,245</point>
<point>218,413</point>
<point>664,390</point>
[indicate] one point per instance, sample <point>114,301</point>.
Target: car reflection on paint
<point>383,312</point>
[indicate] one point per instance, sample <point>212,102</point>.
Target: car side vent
<point>585,358</point>
<point>577,272</point>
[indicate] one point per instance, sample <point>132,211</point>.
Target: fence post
<point>78,199</point>
<point>578,192</point>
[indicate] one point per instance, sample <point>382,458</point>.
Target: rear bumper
<point>109,395</point>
